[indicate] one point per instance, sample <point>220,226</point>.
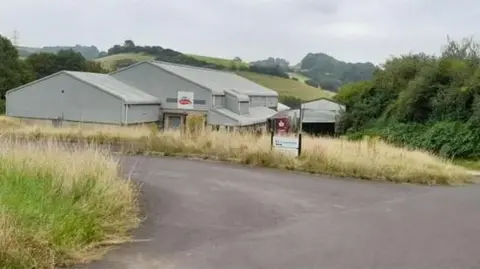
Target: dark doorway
<point>319,128</point>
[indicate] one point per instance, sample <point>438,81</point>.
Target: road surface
<point>217,216</point>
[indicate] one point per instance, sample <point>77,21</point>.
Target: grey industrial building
<point>320,116</point>
<point>145,92</point>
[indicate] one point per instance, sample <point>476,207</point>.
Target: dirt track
<point>218,216</point>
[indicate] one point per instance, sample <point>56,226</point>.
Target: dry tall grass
<point>368,159</point>
<point>57,205</point>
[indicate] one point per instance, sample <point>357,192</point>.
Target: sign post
<point>290,145</point>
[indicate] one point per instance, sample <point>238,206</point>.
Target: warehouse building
<point>82,97</point>
<point>225,98</point>
<point>146,92</point>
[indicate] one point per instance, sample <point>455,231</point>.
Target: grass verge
<point>60,206</point>
<point>367,159</point>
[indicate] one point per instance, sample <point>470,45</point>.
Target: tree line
<point>421,101</point>
<point>275,68</point>
<point>15,71</point>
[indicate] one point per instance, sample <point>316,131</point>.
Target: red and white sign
<point>282,125</point>
<point>185,100</point>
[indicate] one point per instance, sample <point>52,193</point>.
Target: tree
<point>421,101</point>
<point>13,72</point>
<point>129,44</point>
<point>43,64</point>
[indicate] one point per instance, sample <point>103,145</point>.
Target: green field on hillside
<point>218,61</point>
<point>300,77</point>
<point>285,87</point>
<point>108,62</point>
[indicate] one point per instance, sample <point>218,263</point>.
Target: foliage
<point>312,83</point>
<point>271,66</point>
<point>423,101</point>
<point>161,54</point>
<point>45,64</point>
<point>331,73</point>
<point>88,52</point>
<point>13,71</point>
<point>278,68</point>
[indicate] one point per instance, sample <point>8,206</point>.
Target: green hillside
<point>298,76</point>
<point>285,87</point>
<point>227,63</point>
<point>110,61</point>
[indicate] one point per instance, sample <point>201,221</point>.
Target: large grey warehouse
<point>145,92</point>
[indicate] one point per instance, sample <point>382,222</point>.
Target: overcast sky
<point>350,30</point>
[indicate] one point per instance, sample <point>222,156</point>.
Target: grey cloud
<point>350,30</point>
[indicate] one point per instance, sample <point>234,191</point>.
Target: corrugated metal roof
<point>111,85</point>
<point>215,80</point>
<point>282,107</point>
<point>310,116</point>
<point>319,116</point>
<point>256,115</point>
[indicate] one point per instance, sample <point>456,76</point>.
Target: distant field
<point>218,61</point>
<point>287,87</point>
<point>108,62</point>
<point>300,77</point>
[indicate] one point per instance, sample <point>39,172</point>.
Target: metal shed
<point>320,116</point>
<point>226,98</point>
<point>82,97</point>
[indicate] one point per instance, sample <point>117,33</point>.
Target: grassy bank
<point>58,206</point>
<point>366,159</point>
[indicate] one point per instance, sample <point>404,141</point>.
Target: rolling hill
<point>219,61</point>
<point>109,62</point>
<point>285,87</point>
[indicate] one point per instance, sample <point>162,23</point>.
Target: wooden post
<point>299,144</point>
<point>272,133</point>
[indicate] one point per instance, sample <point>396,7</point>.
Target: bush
<point>312,83</point>
<point>422,101</point>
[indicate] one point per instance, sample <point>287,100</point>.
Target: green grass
<point>470,164</point>
<point>300,77</point>
<point>287,87</point>
<point>58,206</point>
<point>218,61</point>
<point>108,62</point>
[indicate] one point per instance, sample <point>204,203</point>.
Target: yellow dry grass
<point>367,159</point>
<point>58,204</point>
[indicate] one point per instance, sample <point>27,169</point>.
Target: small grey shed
<point>82,97</point>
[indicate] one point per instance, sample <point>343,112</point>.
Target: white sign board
<point>286,144</point>
<point>185,100</point>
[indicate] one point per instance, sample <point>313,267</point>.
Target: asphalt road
<point>218,216</point>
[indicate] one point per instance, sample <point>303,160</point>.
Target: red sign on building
<point>281,125</point>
